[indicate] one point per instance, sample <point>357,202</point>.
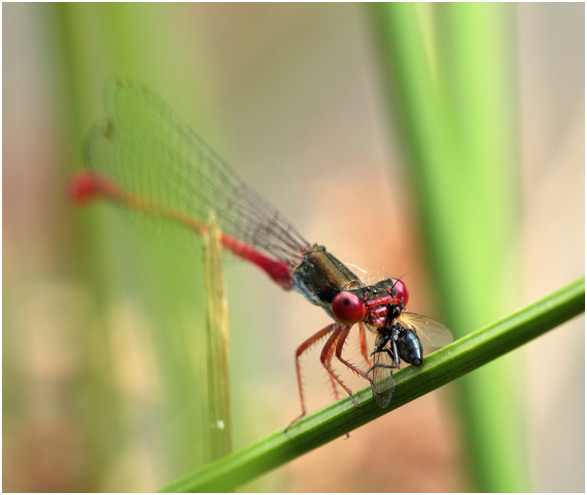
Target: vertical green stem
<point>448,74</point>
<point>219,419</point>
<point>122,267</point>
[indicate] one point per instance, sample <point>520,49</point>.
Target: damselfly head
<point>377,304</point>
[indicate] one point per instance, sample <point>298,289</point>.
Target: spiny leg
<point>326,358</point>
<point>363,342</point>
<point>299,351</point>
<point>341,340</point>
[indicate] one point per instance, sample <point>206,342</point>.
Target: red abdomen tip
<point>84,187</point>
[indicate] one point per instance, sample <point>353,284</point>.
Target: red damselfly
<point>144,158</point>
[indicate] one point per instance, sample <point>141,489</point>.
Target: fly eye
<point>401,292</point>
<point>348,308</point>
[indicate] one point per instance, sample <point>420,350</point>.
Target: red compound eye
<point>348,308</point>
<point>401,292</point>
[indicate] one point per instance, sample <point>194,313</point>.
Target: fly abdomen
<point>409,347</point>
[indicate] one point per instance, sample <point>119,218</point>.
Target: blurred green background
<point>442,142</point>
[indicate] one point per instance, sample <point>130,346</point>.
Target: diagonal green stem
<point>461,357</point>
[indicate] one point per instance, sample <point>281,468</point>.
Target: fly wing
<point>431,333</point>
<point>382,373</point>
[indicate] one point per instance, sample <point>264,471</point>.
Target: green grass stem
<point>449,79</point>
<point>461,357</point>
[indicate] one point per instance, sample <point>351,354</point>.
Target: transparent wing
<point>431,333</point>
<point>145,149</point>
<point>382,374</point>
